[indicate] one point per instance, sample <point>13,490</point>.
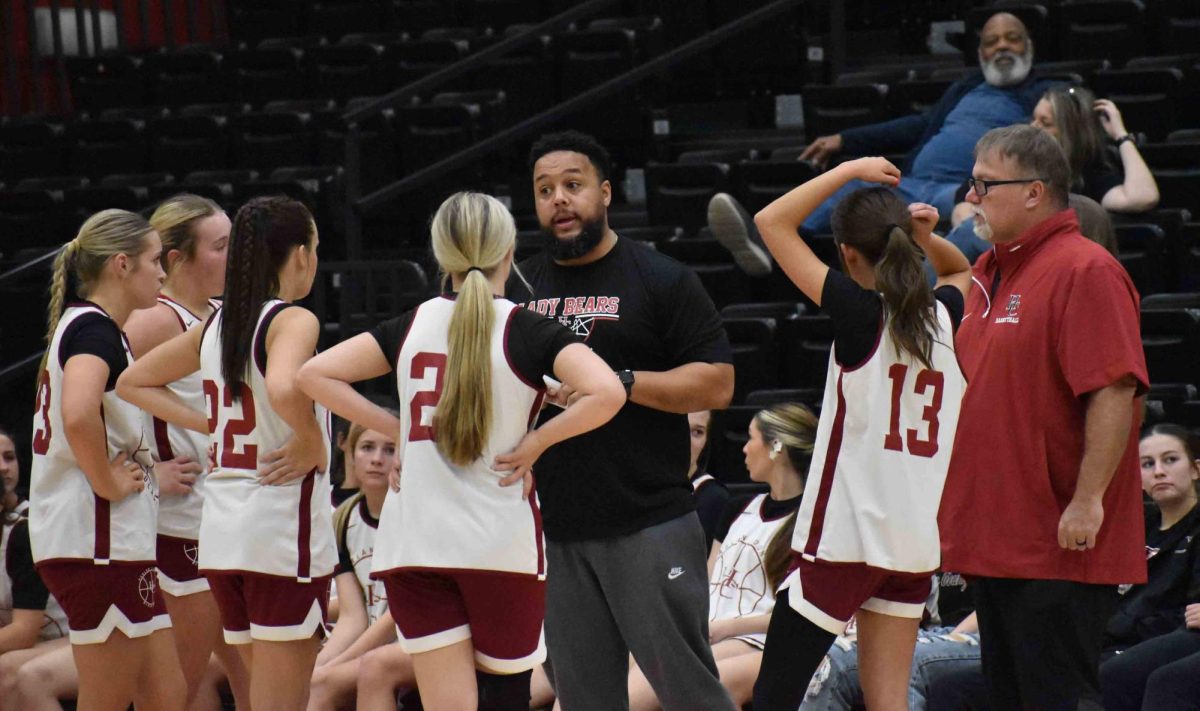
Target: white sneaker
<point>733,228</point>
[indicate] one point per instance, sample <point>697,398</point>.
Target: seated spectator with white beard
<point>939,142</point>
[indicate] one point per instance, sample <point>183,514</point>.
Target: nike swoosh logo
<point>674,574</point>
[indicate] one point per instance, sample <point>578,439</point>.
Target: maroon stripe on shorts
<point>102,528</point>
<point>304,530</point>
<point>103,521</point>
<point>537,532</point>
<point>162,441</point>
<point>831,458</point>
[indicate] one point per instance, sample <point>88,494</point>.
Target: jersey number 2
<point>234,426</point>
<point>421,363</point>
<point>925,380</point>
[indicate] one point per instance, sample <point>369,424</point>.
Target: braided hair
<point>265,232</point>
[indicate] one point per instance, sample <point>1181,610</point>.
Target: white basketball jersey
<point>179,515</point>
<point>738,585</point>
<point>67,520</point>
<point>284,530</point>
<point>880,458</point>
<point>54,622</point>
<point>449,516</point>
<point>358,537</point>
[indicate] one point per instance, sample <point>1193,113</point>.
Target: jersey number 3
<point>234,426</point>
<point>41,435</point>
<point>925,380</point>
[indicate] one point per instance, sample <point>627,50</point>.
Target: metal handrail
<point>454,71</point>
<point>375,200</point>
<point>28,266</point>
<point>18,369</point>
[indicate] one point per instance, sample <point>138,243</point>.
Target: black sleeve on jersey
<point>952,299</point>
<point>857,316</point>
<point>534,342</point>
<point>95,334</point>
<point>341,524</point>
<point>28,590</point>
<point>733,509</point>
<point>692,331</point>
<point>390,335</point>
<point>711,499</point>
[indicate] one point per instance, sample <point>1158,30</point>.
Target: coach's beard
<point>562,248</point>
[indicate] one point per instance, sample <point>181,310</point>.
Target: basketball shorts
<point>829,594</point>
<point>177,571</point>
<point>500,613</point>
<point>101,598</point>
<point>270,608</point>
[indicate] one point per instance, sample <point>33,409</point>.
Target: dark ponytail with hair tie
<point>899,269</point>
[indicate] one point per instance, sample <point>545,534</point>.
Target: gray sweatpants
<point>645,593</point>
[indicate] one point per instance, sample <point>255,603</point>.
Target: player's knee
<point>31,680</point>
<point>372,668</point>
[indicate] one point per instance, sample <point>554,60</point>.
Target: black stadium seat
<point>831,109</point>
<point>678,193</point>
<point>1170,338</point>
<point>108,146</point>
<point>754,354</point>
<point>189,143</point>
<point>1102,29</point>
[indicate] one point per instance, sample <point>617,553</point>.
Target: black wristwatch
<point>626,378</point>
<point>1127,137</point>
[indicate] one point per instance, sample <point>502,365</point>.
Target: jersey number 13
<point>925,380</point>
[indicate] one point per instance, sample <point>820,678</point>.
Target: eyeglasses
<point>981,187</point>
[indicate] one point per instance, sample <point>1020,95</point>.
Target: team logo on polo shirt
<point>1014,303</point>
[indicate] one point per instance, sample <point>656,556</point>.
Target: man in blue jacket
<point>940,142</point>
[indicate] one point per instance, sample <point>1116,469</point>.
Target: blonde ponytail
<point>473,234</point>
<point>81,261</point>
<point>64,266</point>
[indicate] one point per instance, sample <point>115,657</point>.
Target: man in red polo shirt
<point>1042,507</point>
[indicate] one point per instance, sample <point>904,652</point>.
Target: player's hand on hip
<point>128,475</point>
<point>177,476</point>
<point>875,170</point>
<point>394,475</point>
<point>294,460</point>
<point>822,149</point>
<point>561,396</point>
<point>1080,524</point>
<point>520,462</point>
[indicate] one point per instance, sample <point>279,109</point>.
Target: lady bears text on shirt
<point>579,312</point>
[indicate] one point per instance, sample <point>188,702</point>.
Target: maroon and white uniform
<point>738,585</point>
<point>97,556</point>
<point>481,542</point>
<point>179,515</point>
<point>21,588</point>
<point>879,462</point>
<point>355,529</point>
<point>268,551</point>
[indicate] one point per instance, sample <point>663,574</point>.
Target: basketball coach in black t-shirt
<point>625,554</point>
